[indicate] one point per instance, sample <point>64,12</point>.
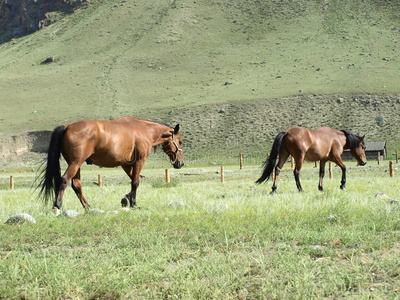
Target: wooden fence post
<point>391,169</point>
<point>99,180</point>
<point>222,174</point>
<point>330,171</point>
<point>12,182</point>
<point>167,177</point>
<point>241,161</point>
<point>379,158</point>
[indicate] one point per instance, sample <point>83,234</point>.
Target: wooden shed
<point>371,150</point>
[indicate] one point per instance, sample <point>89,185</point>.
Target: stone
<point>70,213</point>
<point>21,218</point>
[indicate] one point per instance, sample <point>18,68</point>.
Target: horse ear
<point>176,130</point>
<point>363,137</point>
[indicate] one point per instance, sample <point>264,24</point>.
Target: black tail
<point>270,163</point>
<point>51,176</point>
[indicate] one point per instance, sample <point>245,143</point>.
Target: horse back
<point>314,144</point>
<point>105,143</point>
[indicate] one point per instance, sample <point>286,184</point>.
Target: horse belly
<point>314,155</point>
<point>107,159</point>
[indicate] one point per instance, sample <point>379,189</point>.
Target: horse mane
<point>162,123</point>
<point>352,140</point>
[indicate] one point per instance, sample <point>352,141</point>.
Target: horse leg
<point>321,174</point>
<point>296,172</point>
<point>65,179</point>
<point>283,156</point>
<point>133,172</point>
<point>339,162</point>
<point>77,187</point>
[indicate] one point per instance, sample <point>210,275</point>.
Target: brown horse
<point>320,144</point>
<point>124,142</point>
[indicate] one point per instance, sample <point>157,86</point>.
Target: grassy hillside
<point>305,63</point>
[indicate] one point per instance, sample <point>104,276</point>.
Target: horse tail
<point>270,163</point>
<point>51,175</point>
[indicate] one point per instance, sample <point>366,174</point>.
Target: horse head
<point>173,147</point>
<point>358,151</point>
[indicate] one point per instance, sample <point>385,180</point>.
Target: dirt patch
<point>24,147</point>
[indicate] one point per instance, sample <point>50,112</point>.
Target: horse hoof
<point>320,188</point>
<point>124,202</point>
<point>56,211</point>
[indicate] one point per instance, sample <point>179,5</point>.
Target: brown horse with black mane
<point>320,144</point>
<point>124,142</point>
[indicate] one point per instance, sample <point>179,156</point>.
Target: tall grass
<point>202,239</point>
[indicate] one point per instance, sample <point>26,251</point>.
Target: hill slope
<point>169,61</point>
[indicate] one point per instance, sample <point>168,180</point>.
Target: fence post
<point>12,182</point>
<point>391,169</point>
<point>379,157</point>
<point>330,171</point>
<point>167,177</point>
<point>99,180</point>
<point>241,161</point>
<point>222,174</point>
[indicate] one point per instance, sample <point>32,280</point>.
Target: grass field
<point>198,238</point>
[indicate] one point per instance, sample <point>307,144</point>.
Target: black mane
<point>352,140</point>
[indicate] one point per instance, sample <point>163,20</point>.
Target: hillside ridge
<point>273,64</point>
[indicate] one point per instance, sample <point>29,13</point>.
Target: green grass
<point>202,239</point>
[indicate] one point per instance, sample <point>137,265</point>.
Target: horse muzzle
<point>362,163</point>
<point>178,164</point>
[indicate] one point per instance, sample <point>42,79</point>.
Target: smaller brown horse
<point>320,144</point>
<point>124,142</point>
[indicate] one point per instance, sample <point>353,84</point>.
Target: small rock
<point>94,211</point>
<point>48,60</point>
<point>381,195</point>
<point>176,204</point>
<point>21,218</point>
<point>394,202</point>
<point>315,247</point>
<point>70,213</point>
<point>331,218</point>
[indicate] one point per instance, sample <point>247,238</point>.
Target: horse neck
<point>158,130</point>
<point>345,143</point>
